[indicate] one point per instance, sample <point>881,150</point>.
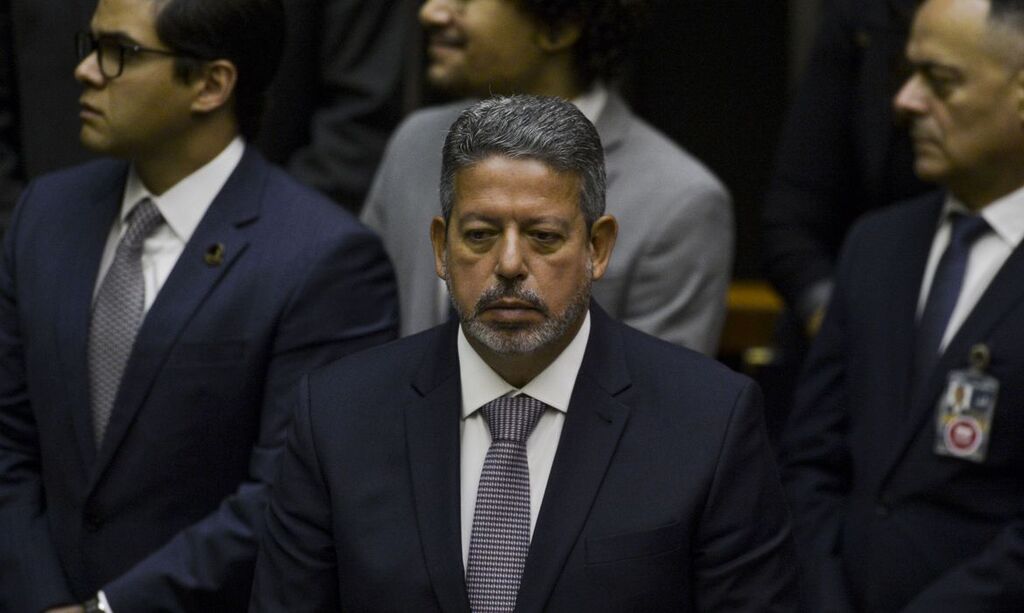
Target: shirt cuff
<point>104,604</point>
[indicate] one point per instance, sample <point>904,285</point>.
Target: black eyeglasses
<point>112,51</point>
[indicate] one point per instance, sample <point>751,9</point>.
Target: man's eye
<point>942,86</point>
<point>546,237</point>
<point>477,235</point>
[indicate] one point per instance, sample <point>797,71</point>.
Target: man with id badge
<point>904,455</point>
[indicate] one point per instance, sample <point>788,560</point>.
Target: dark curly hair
<point>607,29</point>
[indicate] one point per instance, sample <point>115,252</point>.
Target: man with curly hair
<point>674,254</point>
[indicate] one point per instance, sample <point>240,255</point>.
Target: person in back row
<point>156,313</point>
<point>674,256</point>
<point>534,455</point>
<point>905,450</point>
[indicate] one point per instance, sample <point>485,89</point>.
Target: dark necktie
<point>945,290</point>
<point>117,314</point>
<point>501,521</point>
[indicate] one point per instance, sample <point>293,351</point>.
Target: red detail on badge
<point>962,436</point>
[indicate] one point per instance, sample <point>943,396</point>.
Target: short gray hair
<point>549,130</point>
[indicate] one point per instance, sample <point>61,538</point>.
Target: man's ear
<point>562,38</point>
<point>438,239</point>
<point>1019,91</point>
<point>602,242</point>
<point>215,85</point>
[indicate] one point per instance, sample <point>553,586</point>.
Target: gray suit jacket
<point>670,269</point>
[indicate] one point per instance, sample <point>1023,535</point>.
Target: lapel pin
<point>214,254</point>
<point>980,356</point>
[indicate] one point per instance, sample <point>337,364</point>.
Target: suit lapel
<point>907,268</point>
<point>92,227</point>
<point>998,301</point>
<point>190,282</point>
<point>432,435</point>
<point>899,308</point>
<point>593,425</point>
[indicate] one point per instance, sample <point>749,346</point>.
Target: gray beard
<point>512,340</point>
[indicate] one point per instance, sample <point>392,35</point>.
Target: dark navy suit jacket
<point>165,515</point>
<point>882,522</point>
<point>663,494</point>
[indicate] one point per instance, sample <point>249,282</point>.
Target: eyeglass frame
<point>85,41</point>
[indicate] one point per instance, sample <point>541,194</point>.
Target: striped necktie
<point>117,315</point>
<point>500,538</point>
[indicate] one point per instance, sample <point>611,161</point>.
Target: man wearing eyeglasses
<point>156,312</point>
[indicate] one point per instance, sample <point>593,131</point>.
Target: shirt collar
<point>1005,215</point>
<point>553,386</point>
<point>184,205</point>
<point>592,102</point>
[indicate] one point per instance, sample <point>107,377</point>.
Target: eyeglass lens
<point>109,53</point>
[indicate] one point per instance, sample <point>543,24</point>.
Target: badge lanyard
<point>963,418</point>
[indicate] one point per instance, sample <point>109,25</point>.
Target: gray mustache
<point>514,291</point>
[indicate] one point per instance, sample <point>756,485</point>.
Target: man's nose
<point>511,257</point>
<point>436,13</point>
<point>88,72</point>
<point>911,99</point>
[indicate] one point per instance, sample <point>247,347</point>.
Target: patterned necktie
<point>501,522</point>
<point>945,290</point>
<point>117,314</point>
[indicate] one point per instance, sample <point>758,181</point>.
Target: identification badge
<point>963,420</point>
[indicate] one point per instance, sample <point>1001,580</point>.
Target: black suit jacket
<point>338,92</point>
<point>883,523</point>
<point>166,513</point>
<point>663,494</point>
<point>841,152</point>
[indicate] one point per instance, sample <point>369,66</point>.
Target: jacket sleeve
<point>816,462</point>
<point>297,569</point>
<point>807,207</point>
<point>678,287</point>
<point>361,60</point>
<point>745,559</point>
<point>31,575</point>
<point>346,302</point>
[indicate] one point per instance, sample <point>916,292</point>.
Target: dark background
<point>714,76</point>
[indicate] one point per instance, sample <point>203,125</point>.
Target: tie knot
<point>966,229</point>
<point>513,418</point>
<point>142,220</point>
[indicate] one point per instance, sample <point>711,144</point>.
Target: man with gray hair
<point>905,450</point>
<point>539,456</point>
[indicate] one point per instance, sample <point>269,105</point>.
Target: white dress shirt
<point>182,207</point>
<point>480,385</point>
<point>590,103</point>
<point>988,254</point>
